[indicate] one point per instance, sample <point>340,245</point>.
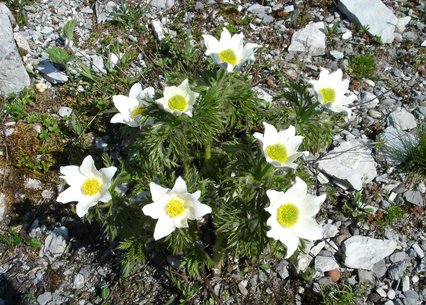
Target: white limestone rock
<point>310,40</point>
<point>51,73</point>
<point>325,263</point>
<point>402,119</point>
<point>363,252</point>
<point>13,76</point>
<point>2,206</point>
<point>379,19</point>
<point>397,144</point>
<point>162,4</point>
<point>350,164</point>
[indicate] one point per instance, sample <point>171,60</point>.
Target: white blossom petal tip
<point>178,100</point>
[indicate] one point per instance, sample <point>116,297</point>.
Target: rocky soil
<point>50,256</point>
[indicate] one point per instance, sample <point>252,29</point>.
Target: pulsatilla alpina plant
<point>208,172</point>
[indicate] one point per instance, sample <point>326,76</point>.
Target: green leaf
<point>59,55</point>
<point>33,242</point>
<point>265,267</point>
<point>69,28</point>
<point>105,292</point>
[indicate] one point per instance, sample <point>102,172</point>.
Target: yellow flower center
<point>328,95</point>
<point>91,186</point>
<point>277,152</point>
<point>177,102</point>
<point>228,56</point>
<point>288,215</point>
<point>174,208</point>
<point>136,111</point>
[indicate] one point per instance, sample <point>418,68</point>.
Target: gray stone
<point>325,263</point>
<point>242,287</point>
<point>98,64</point>
<point>44,298</point>
<point>78,281</point>
<point>64,111</point>
<point>411,297</point>
<point>414,197</point>
<point>282,269</point>
<point>350,164</point>
<point>13,76</point>
<point>310,40</point>
<point>419,251</point>
<point>365,276</point>
<point>303,262</point>
<point>159,30</point>
<point>336,54</point>
<point>379,269</point>
<point>21,42</point>
<point>398,257</point>
<point>260,11</point>
<point>51,73</point>
<point>103,10</point>
<point>369,100</point>
<point>55,244</point>
<point>162,4</point>
<point>32,184</point>
<point>402,119</point>
<point>329,230</point>
<point>363,252</point>
<point>396,271</point>
<point>402,23</point>
<point>379,19</point>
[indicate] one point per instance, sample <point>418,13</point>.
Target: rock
<point>21,42</point>
<point>419,251</point>
<point>113,60</point>
<point>159,30</point>
<point>405,283</point>
<point>317,248</point>
<point>379,269</point>
<point>411,298</point>
<point>162,4</point>
<point>365,276</point>
<point>303,262</point>
<point>334,275</point>
<point>325,263</point>
<point>310,40</point>
<point>379,19</point>
<point>103,10</point>
<point>242,287</point>
<point>260,11</point>
<point>398,257</point>
<point>41,87</point>
<point>78,281</point>
<point>347,35</point>
<point>397,144</point>
<point>13,76</point>
<point>55,244</point>
<point>402,23</point>
<point>368,100</point>
<point>374,114</point>
<point>350,164</point>
<point>44,298</point>
<point>396,271</point>
<point>263,95</point>
<point>64,111</point>
<point>363,252</point>
<point>414,197</point>
<point>401,119</point>
<point>336,54</point>
<point>391,294</point>
<point>282,269</point>
<point>329,230</point>
<point>98,64</point>
<point>32,184</point>
<point>51,73</point>
<point>2,206</point>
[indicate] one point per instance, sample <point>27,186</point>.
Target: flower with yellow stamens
<point>173,207</point>
<point>229,51</point>
<point>292,215</point>
<point>178,99</point>
<point>87,185</point>
<point>130,108</point>
<point>280,148</point>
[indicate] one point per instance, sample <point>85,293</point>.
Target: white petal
<point>258,136</point>
<point>106,197</point>
<point>72,175</point>
<point>149,93</point>
<point>200,210</point>
<point>163,227</point>
<point>169,92</point>
<point>225,36</point>
<point>211,43</point>
<point>88,168</point>
<point>124,104</point>
<point>180,186</point>
<point>310,206</point>
<point>135,91</point>
<point>286,237</point>
<point>185,86</point>
<point>108,172</point>
<point>157,191</point>
<point>298,190</point>
<point>275,197</point>
<point>69,195</point>
<point>119,118</point>
<point>270,131</point>
<point>229,67</point>
<point>248,51</point>
<point>307,228</point>
<point>196,195</point>
<point>84,205</point>
<point>287,133</point>
<point>153,210</point>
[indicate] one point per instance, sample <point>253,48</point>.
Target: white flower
<point>178,100</point>
<point>173,207</point>
<point>229,51</point>
<point>331,90</point>
<point>130,108</point>
<point>292,215</point>
<point>280,148</point>
<point>87,185</point>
